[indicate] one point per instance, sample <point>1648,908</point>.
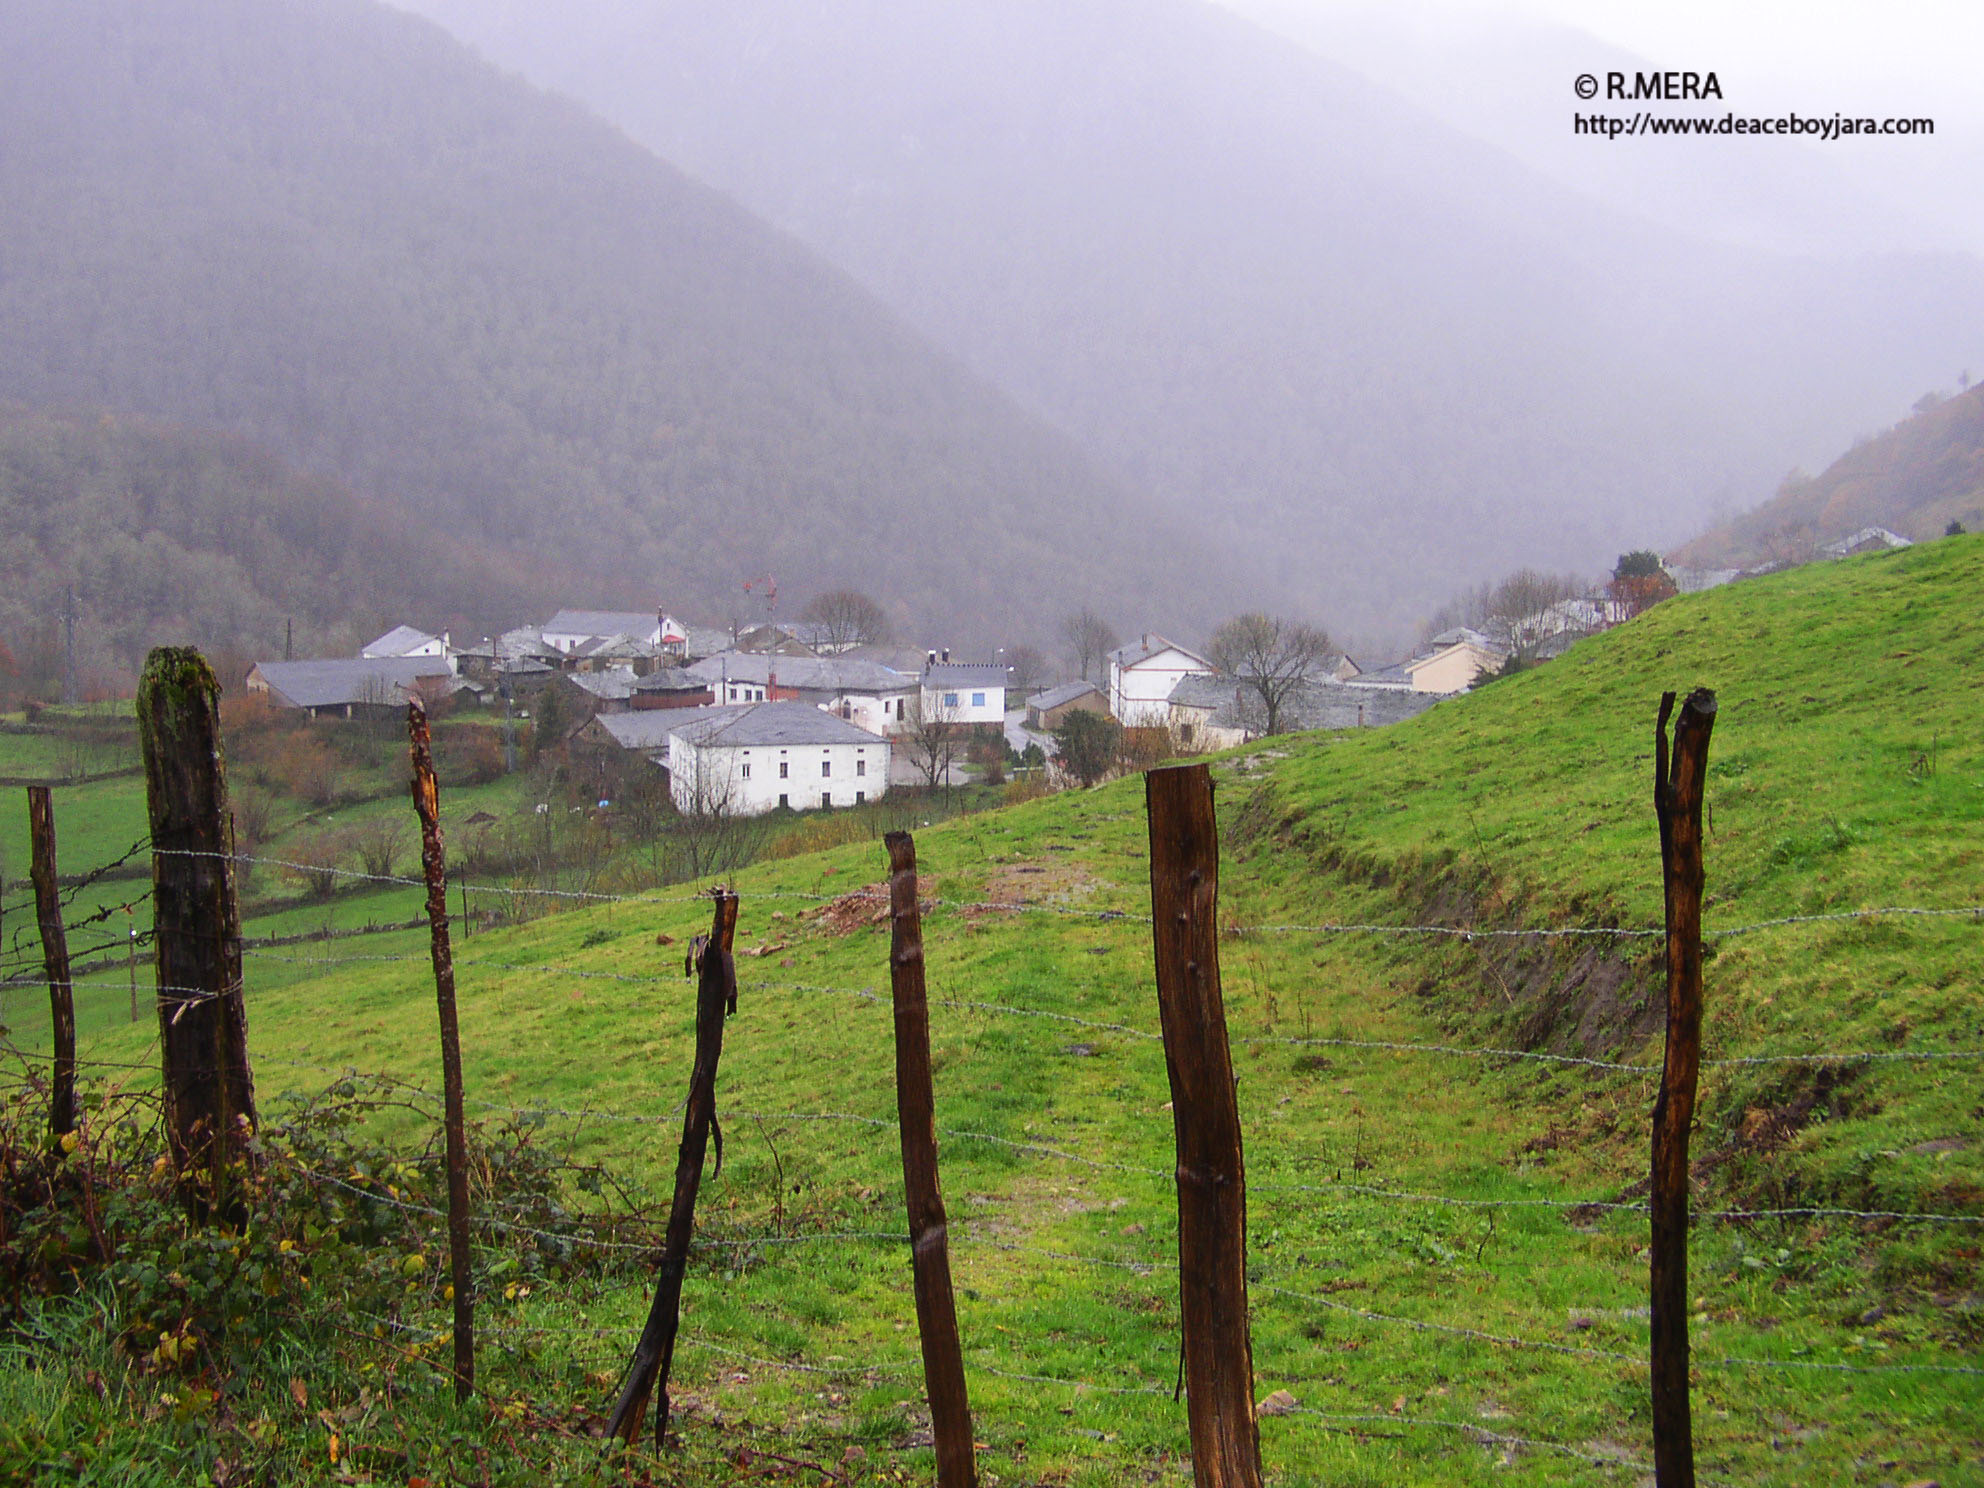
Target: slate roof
<point>1067,692</point>
<point>398,642</point>
<point>335,681</point>
<point>1865,540</point>
<point>614,685</point>
<point>963,674</point>
<point>734,724</point>
<point>671,679</point>
<point>809,673</point>
<point>750,724</point>
<point>1145,647</point>
<point>1316,704</point>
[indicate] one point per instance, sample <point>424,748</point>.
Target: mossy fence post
<point>434,867</point>
<point>203,1024</point>
<point>1205,1117</point>
<point>54,959</point>
<point>1679,778</point>
<point>716,996</point>
<point>916,1115</point>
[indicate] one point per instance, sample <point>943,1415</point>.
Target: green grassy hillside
<point>1421,1286</point>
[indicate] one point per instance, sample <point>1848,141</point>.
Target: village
<point>827,712</point>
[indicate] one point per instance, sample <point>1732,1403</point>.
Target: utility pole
<point>289,639</point>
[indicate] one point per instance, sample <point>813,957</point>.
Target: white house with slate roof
<point>964,692</point>
<point>751,758</point>
<point>1142,675</point>
<point>404,640</point>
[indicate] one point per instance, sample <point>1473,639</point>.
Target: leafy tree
<point>1085,745</point>
<point>849,618</point>
<point>1089,640</point>
<point>1640,581</point>
<point>1269,655</point>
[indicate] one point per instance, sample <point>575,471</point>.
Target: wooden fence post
<point>916,1113</point>
<point>434,866</point>
<point>1677,799</point>
<point>1205,1116</point>
<point>716,992</point>
<point>203,1024</point>
<point>54,959</point>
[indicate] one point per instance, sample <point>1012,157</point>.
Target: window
<point>784,770</point>
<point>826,769</point>
<point>899,708</point>
<point>950,700</point>
<point>826,798</point>
<point>783,804</point>
<point>745,771</point>
<point>859,797</point>
<point>861,767</point>
<point>978,700</point>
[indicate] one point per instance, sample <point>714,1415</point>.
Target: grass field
<point>1432,1323</point>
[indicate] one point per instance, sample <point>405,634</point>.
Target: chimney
<point>1146,639</point>
<point>947,656</point>
<point>930,659</point>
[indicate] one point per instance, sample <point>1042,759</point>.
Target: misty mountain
<point>327,227</point>
<point>175,536</point>
<point>1379,355</point>
<point>1915,479</point>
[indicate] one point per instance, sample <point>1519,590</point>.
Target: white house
<point>569,630</point>
<point>750,758</point>
<point>865,693</point>
<point>404,640</point>
<point>1142,675</point>
<point>964,692</point>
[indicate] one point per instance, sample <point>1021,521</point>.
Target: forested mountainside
<point>328,227</point>
<point>1914,479</point>
<point>1339,332</point>
<point>176,536</point>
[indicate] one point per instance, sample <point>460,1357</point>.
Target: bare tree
<point>1522,607</point>
<point>1268,655</point>
<point>848,618</point>
<point>712,830</point>
<point>1026,671</point>
<point>379,842</point>
<point>1089,640</point>
<point>933,737</point>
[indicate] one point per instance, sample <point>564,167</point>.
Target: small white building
<point>751,758</point>
<point>964,692</point>
<point>404,640</point>
<point>1142,676</point>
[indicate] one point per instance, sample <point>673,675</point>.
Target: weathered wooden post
<point>203,1024</point>
<point>1678,787</point>
<point>916,1113</point>
<point>654,1354</point>
<point>1205,1117</point>
<point>54,959</point>
<point>434,866</point>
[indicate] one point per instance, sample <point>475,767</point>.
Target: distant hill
<point>327,227</point>
<point>174,536</point>
<point>1914,479</point>
<point>1379,354</point>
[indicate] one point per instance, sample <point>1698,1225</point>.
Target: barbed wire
<point>1460,932</point>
